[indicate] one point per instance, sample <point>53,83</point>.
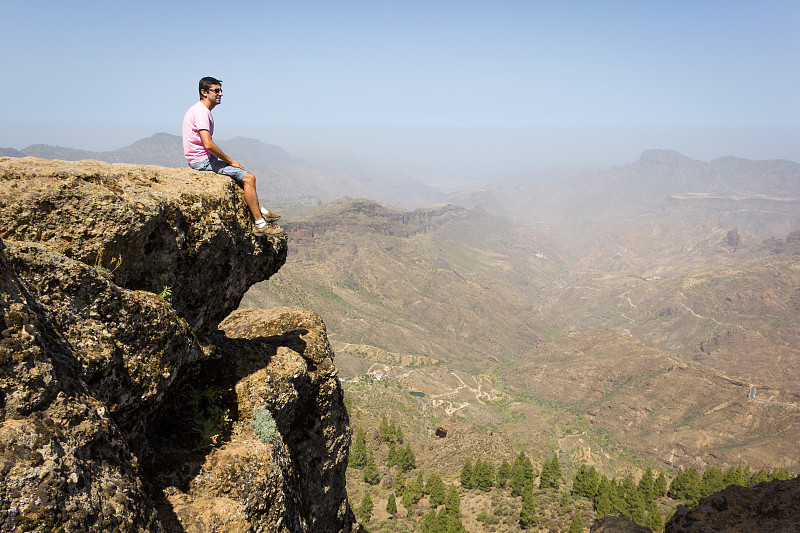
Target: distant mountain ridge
<point>585,208</point>
<point>575,209</point>
<point>280,177</point>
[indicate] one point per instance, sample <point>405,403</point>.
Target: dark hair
<point>206,83</point>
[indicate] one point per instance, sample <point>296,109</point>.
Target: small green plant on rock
<point>210,419</point>
<point>264,426</point>
<point>106,272</point>
<point>166,293</point>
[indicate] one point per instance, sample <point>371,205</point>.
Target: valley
<point>664,338</point>
<point>642,354</point>
<point>657,360</point>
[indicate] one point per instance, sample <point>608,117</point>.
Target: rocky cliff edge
<point>122,410</point>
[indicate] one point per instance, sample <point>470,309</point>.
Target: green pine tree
<point>430,523</point>
<point>408,502</point>
<point>383,430</point>
<point>780,473</point>
<point>544,476</point>
<point>391,458</point>
<point>406,459</point>
<point>661,485</point>
<point>617,494</point>
<point>358,453</point>
<point>735,476</point>
<point>564,501</point>
<point>418,486</point>
<point>635,506</point>
<point>603,506</point>
<point>603,485</point>
<point>576,526</point>
<point>647,486</point>
<point>604,497</point>
<point>391,505</point>
<point>527,468</point>
<point>557,475</point>
<point>483,476</point>
<point>452,501</point>
<point>503,474</point>
<point>414,490</point>
<point>466,475</point>
<point>550,478</point>
<point>686,487</point>
<point>454,525</point>
<point>579,482</point>
<point>366,507</point>
<point>436,490</point>
<point>399,483</point>
<point>527,513</point>
<point>522,474</point>
<point>370,471</point>
<point>713,480</point>
<point>654,519</point>
<point>442,520</point>
<point>592,482</point>
<point>758,477</point>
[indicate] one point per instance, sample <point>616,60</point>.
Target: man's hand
<point>216,151</point>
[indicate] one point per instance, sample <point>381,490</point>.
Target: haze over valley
<point>593,291</point>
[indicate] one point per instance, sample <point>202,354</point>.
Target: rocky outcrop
<point>121,411</point>
<point>148,227</point>
<point>362,216</point>
<point>771,506</point>
<point>306,401</point>
<point>768,507</point>
<point>617,524</point>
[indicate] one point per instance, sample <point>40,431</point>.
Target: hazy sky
<point>440,88</point>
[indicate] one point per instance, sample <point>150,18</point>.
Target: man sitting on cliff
<point>203,154</point>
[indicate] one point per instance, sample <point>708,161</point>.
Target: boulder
<point>770,506</point>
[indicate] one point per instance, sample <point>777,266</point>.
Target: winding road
<point>752,396</point>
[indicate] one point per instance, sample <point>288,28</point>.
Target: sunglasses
<point>215,91</point>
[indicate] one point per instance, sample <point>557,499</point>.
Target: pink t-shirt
<point>197,118</point>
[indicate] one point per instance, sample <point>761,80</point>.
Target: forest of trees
<point>689,486</point>
<point>635,500</point>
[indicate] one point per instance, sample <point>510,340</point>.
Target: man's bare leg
<point>250,196</point>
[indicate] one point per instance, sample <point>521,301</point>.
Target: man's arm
<point>215,150</point>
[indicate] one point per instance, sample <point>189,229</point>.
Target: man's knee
<point>249,179</point>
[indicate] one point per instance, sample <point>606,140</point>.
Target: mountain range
<point>281,178</point>
<point>587,208</point>
<point>577,208</point>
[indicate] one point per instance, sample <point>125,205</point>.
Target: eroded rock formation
<point>771,506</point>
<point>768,507</point>
<point>152,227</point>
<point>101,379</point>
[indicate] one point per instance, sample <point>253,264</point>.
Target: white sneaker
<point>269,215</point>
<point>267,229</point>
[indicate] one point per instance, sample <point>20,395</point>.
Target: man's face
<point>214,94</point>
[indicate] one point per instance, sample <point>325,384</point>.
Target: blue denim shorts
<point>216,165</point>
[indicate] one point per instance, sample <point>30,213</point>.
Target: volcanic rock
<point>102,381</point>
<point>770,506</point>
